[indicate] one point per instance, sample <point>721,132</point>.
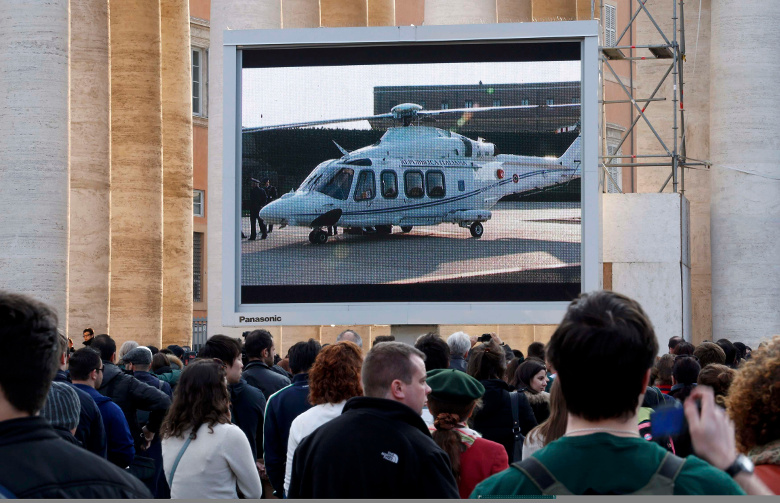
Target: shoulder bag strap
<point>515,399</point>
<point>537,473</point>
<point>178,458</point>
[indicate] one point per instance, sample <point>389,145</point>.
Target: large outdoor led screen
<point>394,175</point>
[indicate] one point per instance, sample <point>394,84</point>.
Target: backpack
<point>661,483</point>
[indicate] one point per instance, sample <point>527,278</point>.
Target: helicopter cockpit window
<point>435,182</point>
<point>413,181</point>
<point>389,184</point>
<point>338,185</point>
<point>365,188</point>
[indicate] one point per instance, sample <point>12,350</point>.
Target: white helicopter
<point>414,175</point>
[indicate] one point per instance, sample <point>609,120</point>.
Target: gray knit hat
<point>62,407</point>
<point>139,356</point>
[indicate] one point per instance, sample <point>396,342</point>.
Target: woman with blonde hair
<point>553,427</point>
<point>204,455</point>
<point>454,397</point>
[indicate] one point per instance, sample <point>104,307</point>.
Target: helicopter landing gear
<point>384,229</point>
<point>476,230</point>
<point>406,228</point>
<point>318,237</point>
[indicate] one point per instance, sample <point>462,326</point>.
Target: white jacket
<point>303,426</point>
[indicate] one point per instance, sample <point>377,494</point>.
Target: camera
<point>485,338</point>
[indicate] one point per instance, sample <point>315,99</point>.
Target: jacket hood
<point>387,408</point>
<point>256,363</point>
<point>496,383</point>
<point>110,372</point>
<point>62,376</point>
<point>537,398</point>
<point>95,394</point>
<point>238,388</point>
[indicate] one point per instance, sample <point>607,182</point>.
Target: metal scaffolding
<point>668,48</point>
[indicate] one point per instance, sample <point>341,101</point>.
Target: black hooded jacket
<point>248,409</point>
<point>262,377</point>
<point>377,448</point>
<point>131,394</point>
<point>38,464</point>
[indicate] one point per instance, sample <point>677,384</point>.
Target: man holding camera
<point>604,335</point>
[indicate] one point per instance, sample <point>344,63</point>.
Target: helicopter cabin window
<point>496,103</point>
<point>445,105</point>
<point>525,103</point>
<point>365,188</point>
<point>389,184</point>
<point>550,101</point>
<point>435,182</point>
<point>413,181</point>
<point>469,104</point>
<point>338,185</point>
<point>461,185</point>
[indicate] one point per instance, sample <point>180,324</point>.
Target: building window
<point>525,102</point>
<point>469,104</point>
<point>197,81</point>
<point>610,25</point>
<point>445,105</point>
<point>615,172</point>
<point>197,267</point>
<point>496,103</point>
<point>197,203</point>
<point>550,101</point>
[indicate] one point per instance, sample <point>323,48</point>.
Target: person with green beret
<point>454,397</point>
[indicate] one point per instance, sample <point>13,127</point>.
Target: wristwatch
<point>740,465</point>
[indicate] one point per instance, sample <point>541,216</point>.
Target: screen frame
<point>236,314</point>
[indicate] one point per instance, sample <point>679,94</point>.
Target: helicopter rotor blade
<point>428,113</point>
<point>315,123</point>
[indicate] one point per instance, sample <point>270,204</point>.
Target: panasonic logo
<point>262,319</point>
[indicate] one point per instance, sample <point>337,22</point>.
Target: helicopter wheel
<point>476,230</point>
<point>312,236</point>
<point>320,237</point>
<point>384,229</point>
<point>406,228</point>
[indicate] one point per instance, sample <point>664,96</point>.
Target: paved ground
<point>522,242</point>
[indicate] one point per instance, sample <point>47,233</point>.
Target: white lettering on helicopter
<point>432,162</point>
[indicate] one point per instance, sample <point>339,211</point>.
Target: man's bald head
<point>352,336</point>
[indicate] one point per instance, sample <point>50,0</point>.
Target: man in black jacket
<point>379,447</point>
<point>90,432</point>
<point>257,199</point>
<point>36,463</point>
<point>260,350</point>
<point>247,403</point>
<point>131,395</point>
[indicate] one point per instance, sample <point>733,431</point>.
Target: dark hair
<point>446,416</point>
<point>683,348</point>
<point>518,354</point>
<point>718,377</point>
<point>511,368</point>
<point>335,375</point>
<point>384,364</point>
<point>709,352</point>
<point>437,352</point>
<point>256,342</point>
<point>664,367</point>
<point>674,341</point>
<point>201,397</point>
<point>554,426</point>
<point>730,350</point>
<point>159,360</point>
<point>526,372</point>
<point>741,352</point>
<point>221,347</point>
<point>82,362</point>
<point>31,351</point>
<point>686,369</point>
<point>535,349</point>
<point>487,361</point>
<point>603,334</point>
<point>91,332</point>
<point>383,338</point>
<point>153,349</point>
<point>104,345</point>
<point>302,355</point>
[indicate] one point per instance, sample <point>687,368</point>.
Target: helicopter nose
<point>274,212</point>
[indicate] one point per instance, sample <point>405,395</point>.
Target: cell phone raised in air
<point>485,338</point>
<point>669,420</point>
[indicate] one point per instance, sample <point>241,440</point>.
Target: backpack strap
<point>536,472</point>
<point>178,458</point>
<point>670,467</point>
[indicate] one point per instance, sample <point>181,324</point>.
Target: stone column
<point>136,172</point>
<point>514,11</point>
<point>381,12</point>
<point>744,149</point>
<point>555,10</point>
<point>237,15</point>
<point>460,12</point>
<point>90,168</point>
<point>340,13</point>
<point>34,151</point>
<point>300,13</point>
<point>177,172</point>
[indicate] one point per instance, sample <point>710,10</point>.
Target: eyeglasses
<point>100,369</point>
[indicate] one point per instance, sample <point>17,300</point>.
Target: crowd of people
<point>594,411</point>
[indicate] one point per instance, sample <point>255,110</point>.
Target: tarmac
<point>523,242</point>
